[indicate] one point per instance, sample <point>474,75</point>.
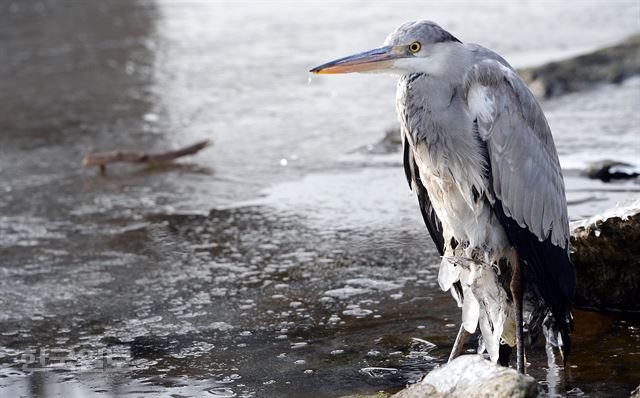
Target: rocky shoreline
<point>606,255</point>
<point>607,65</point>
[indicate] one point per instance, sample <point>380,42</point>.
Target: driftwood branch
<point>101,159</point>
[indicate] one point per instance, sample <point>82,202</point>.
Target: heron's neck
<point>421,92</point>
<point>430,108</point>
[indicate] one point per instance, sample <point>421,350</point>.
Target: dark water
<point>314,275</point>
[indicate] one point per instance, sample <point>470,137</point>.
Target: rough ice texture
<point>346,292</point>
<point>623,211</point>
<point>374,284</point>
<point>606,255</point>
<point>472,376</point>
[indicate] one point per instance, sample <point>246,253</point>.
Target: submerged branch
<point>101,159</point>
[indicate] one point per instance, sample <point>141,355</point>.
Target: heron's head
<point>420,46</point>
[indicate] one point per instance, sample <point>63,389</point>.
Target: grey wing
<point>526,173</point>
<point>526,189</point>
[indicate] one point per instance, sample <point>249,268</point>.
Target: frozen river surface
<point>286,260</point>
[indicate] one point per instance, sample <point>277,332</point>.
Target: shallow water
<point>313,274</point>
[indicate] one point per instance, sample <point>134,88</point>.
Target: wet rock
<point>419,390</point>
<point>608,65</point>
<point>392,137</point>
<point>391,142</point>
<point>472,376</point>
<point>608,170</point>
<point>607,259</point>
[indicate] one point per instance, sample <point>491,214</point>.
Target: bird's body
<point>479,154</point>
<point>452,174</point>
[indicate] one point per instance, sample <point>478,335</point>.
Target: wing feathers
<point>521,149</point>
<point>526,179</point>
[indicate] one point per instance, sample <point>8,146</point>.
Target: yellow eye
<point>415,47</point>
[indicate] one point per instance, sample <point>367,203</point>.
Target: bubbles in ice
<point>378,373</point>
<point>150,117</point>
<point>230,379</point>
<point>281,286</point>
<point>355,310</point>
<point>346,292</point>
<point>221,392</point>
<point>374,284</point>
<point>221,326</point>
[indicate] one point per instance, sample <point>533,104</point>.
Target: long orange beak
<point>379,59</point>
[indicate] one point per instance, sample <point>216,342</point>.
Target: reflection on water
<point>126,285</point>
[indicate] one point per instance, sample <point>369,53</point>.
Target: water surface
<point>286,260</point>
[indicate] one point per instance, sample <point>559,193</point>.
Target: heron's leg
<point>516,294</point>
<point>504,354</point>
<point>459,343</point>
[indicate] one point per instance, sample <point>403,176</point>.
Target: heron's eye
<point>415,47</point>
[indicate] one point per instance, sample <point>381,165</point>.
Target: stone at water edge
<point>472,376</point>
<point>376,395</point>
<point>607,65</point>
<point>606,255</point>
<point>607,170</point>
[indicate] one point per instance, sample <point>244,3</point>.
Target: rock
<point>391,142</point>
<point>376,395</point>
<point>607,65</point>
<point>392,137</point>
<point>472,376</point>
<point>607,259</point>
<point>420,390</point>
<point>608,170</point>
<point>606,254</point>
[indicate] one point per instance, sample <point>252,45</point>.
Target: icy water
<point>288,259</point>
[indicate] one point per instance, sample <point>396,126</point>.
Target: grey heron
<point>479,154</point>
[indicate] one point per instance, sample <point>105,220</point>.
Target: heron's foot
<point>516,294</point>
